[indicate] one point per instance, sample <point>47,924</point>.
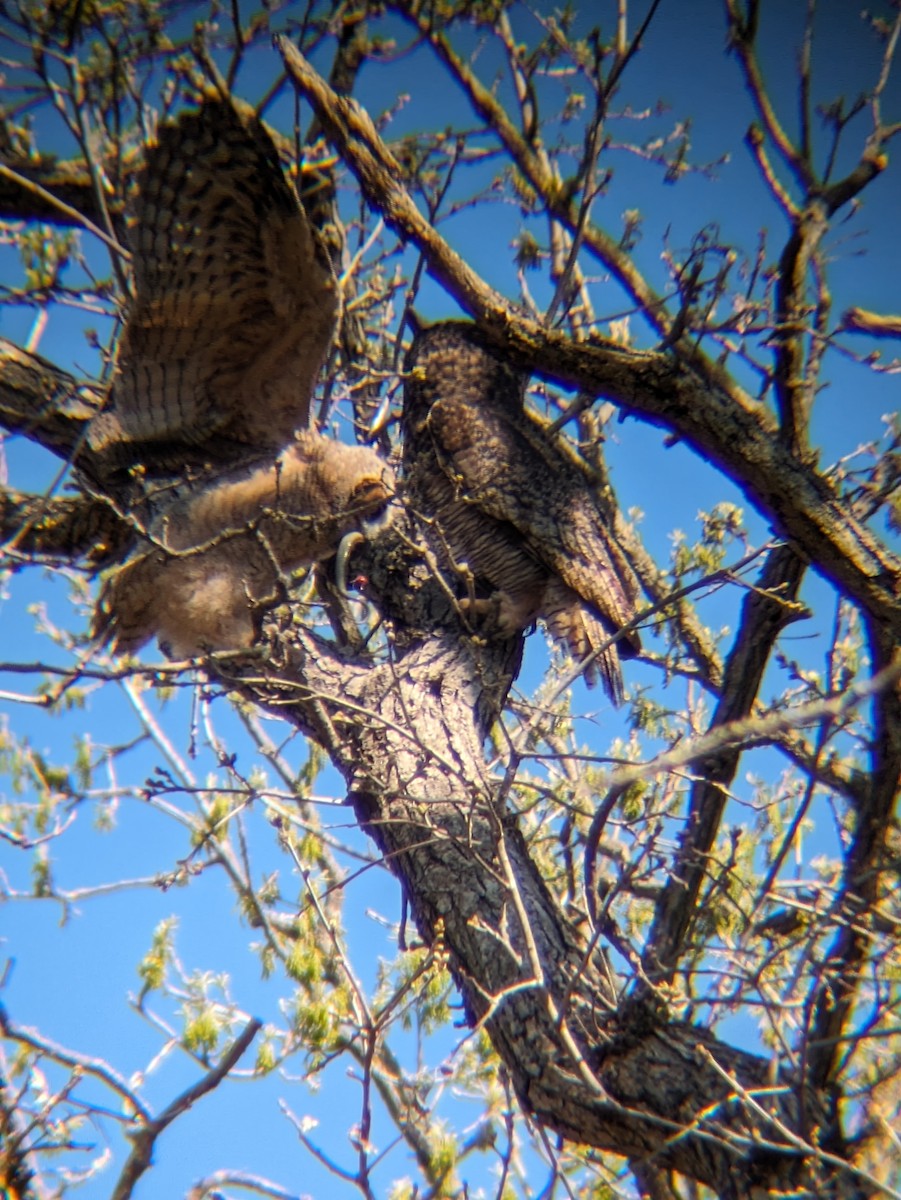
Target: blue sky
<point>70,978</point>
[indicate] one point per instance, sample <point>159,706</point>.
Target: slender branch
<point>70,1058</point>
<point>145,1138</point>
<point>755,142</point>
<point>742,40</point>
<point>534,167</point>
<point>210,1185</point>
<point>762,729</point>
<point>765,613</point>
<point>59,207</point>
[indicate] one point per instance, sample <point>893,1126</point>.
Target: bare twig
<point>145,1138</point>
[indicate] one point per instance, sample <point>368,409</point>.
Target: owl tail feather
<point>571,622</point>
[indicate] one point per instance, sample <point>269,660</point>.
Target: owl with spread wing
<point>506,511</point>
<point>234,309</point>
<point>214,560</point>
<point>234,305</point>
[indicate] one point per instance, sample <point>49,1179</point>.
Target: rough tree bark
<point>408,735</point>
<point>600,1067</point>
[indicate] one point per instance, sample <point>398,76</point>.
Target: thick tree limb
<point>693,398</point>
<point>765,613</point>
<point>63,193</point>
<point>61,527</point>
<point>408,737</point>
<point>44,403</point>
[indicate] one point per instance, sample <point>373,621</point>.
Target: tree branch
<point>865,862</point>
<point>95,1067</point>
<point>144,1139</point>
<point>65,528</point>
<point>858,320</point>
<point>765,613</point>
<point>696,399</point>
<point>45,404</point>
<point>416,778</point>
<point>536,168</point>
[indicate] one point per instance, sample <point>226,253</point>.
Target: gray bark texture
<point>596,1065</point>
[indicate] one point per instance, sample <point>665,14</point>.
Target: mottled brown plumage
<point>217,557</point>
<point>508,507</point>
<point>234,309</point>
<point>234,305</point>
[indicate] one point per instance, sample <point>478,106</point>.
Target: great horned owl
<point>508,508</point>
<point>220,554</point>
<point>234,305</point>
<point>234,308</point>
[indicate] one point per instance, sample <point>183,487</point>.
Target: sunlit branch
<point>755,142</point>
<point>858,320</point>
<point>73,215</point>
<point>211,1184</point>
<point>68,1058</point>
<point>760,730</point>
<point>144,1139</point>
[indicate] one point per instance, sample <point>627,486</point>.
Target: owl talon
<point>507,509</point>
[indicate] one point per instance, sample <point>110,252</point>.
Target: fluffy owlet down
<point>234,309</point>
<point>217,557</point>
<point>508,508</point>
<point>234,305</point>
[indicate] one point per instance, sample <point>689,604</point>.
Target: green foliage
<point>267,1058</point>
<point>42,876</point>
<point>202,1031</point>
<point>528,252</point>
<point>720,529</point>
<point>305,961</point>
<point>155,964</point>
<point>315,1024</point>
<point>45,254</point>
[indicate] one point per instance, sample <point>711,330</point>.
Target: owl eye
<point>369,496</point>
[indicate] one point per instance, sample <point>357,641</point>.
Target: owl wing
<point>235,301</point>
<point>503,464</point>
